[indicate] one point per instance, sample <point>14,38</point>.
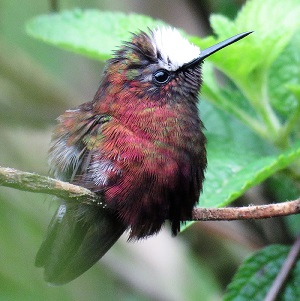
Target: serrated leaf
<point>233,169</point>
<point>256,275</point>
<point>285,73</point>
<point>247,60</point>
<point>90,32</point>
<point>269,37</point>
<point>222,25</point>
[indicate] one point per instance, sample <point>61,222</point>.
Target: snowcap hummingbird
<point>139,144</point>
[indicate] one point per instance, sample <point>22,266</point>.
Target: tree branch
<point>33,182</point>
<point>242,213</point>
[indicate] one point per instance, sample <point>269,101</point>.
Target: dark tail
<point>78,236</point>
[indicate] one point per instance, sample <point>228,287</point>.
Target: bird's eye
<point>161,76</point>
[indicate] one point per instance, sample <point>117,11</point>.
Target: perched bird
<point>139,144</point>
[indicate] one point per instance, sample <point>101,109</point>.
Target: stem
<point>257,94</point>
<point>290,125</point>
<point>267,113</point>
<point>284,272</point>
<point>32,182</point>
<point>246,213</point>
<point>251,122</point>
<point>259,98</point>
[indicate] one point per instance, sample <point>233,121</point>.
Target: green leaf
<point>237,158</point>
<point>233,169</point>
<point>88,32</point>
<point>220,123</point>
<point>284,73</point>
<point>256,275</point>
<point>227,98</point>
<point>247,62</point>
<point>268,40</point>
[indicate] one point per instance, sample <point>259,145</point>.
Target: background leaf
<point>256,274</point>
<point>89,32</point>
<point>285,71</point>
<point>261,48</point>
<point>233,169</point>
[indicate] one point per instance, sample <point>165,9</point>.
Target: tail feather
<point>78,236</point>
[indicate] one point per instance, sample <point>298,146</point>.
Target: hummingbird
<point>139,144</point>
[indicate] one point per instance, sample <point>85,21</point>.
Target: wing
<point>78,235</point>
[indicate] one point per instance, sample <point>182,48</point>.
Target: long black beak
<point>212,49</point>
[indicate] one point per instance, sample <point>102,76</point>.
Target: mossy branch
<point>33,182</point>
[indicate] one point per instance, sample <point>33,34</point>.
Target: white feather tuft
<point>175,50</point>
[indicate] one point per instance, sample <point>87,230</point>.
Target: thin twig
<point>243,213</point>
<point>284,272</point>
<point>33,182</point>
